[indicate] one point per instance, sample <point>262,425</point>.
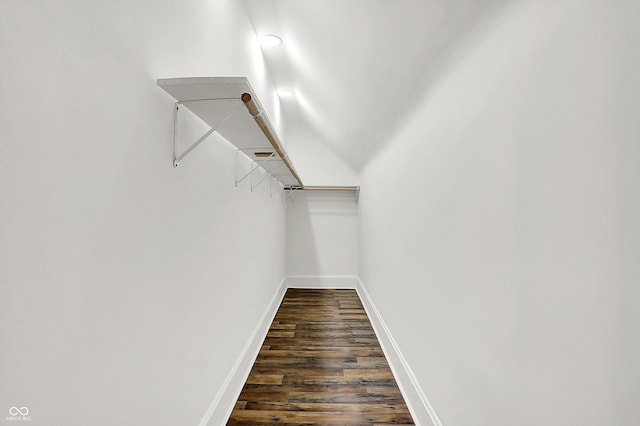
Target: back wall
<point>322,233</point>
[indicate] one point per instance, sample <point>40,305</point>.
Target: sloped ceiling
<point>358,66</point>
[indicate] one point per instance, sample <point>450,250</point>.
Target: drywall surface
<point>322,233</point>
<point>316,163</point>
<point>499,230</point>
<point>128,288</point>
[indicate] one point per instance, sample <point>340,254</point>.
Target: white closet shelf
<point>229,105</point>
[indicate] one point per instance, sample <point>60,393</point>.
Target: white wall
<point>322,233</point>
<point>316,164</point>
<point>127,288</point>
<point>499,230</point>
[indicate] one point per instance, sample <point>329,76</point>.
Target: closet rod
<point>257,114</point>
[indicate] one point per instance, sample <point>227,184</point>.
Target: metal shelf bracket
<point>278,186</point>
<point>253,186</point>
<point>177,158</point>
<point>255,165</point>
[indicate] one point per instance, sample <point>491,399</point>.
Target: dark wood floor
<point>321,364</point>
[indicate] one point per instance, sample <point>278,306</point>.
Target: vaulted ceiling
<point>358,66</point>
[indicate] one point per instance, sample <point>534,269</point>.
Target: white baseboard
<point>321,281</point>
<point>421,410</point>
<point>222,405</point>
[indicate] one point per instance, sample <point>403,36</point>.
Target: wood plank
<point>264,379</point>
<point>336,352</point>
<point>240,405</point>
<point>321,363</point>
<point>346,389</point>
<point>345,408</point>
<point>329,396</point>
<point>279,333</point>
<point>260,395</point>
<point>279,326</point>
<point>265,361</point>
<point>368,374</point>
<point>320,417</point>
<point>372,361</point>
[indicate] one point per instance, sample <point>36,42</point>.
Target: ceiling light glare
<point>270,40</point>
<point>285,93</point>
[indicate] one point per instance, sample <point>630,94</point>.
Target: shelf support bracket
<point>178,158</point>
<point>259,182</point>
<point>255,166</point>
<point>290,194</point>
<point>278,187</point>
